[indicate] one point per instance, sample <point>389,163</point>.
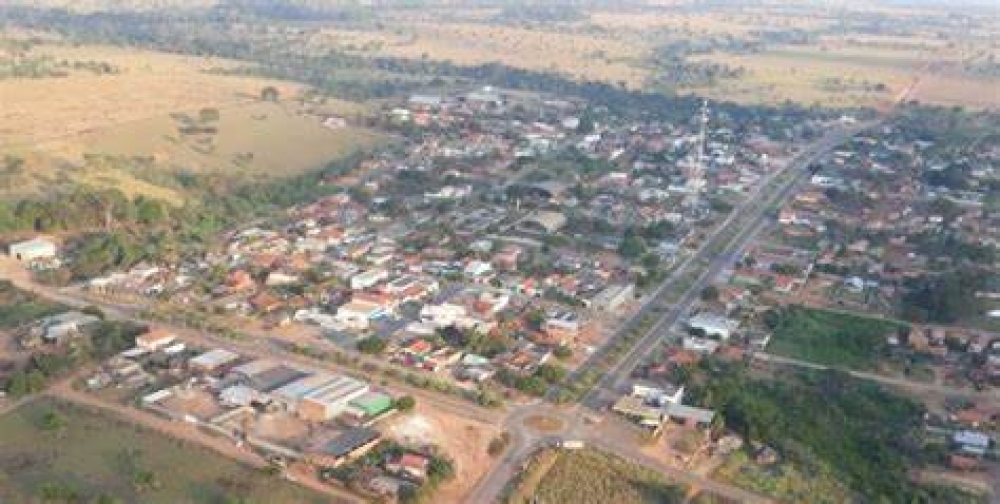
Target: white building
<point>33,250</point>
<point>358,314</point>
<point>713,325</point>
<point>368,278</point>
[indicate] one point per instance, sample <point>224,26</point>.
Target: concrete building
<point>713,325</point>
<point>37,248</point>
<point>320,397</point>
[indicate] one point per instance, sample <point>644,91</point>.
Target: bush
<point>405,403</point>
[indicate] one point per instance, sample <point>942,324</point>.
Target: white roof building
<point>33,249</point>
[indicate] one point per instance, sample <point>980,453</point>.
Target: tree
<point>372,345</point>
<point>710,293</point>
<point>562,352</point>
<point>632,245</point>
<point>269,93</point>
<point>405,403</point>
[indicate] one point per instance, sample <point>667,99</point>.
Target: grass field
<point>65,129</point>
<point>784,482</point>
<point>55,452</point>
<point>830,338</point>
<point>592,477</point>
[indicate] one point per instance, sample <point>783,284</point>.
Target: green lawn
<point>830,338</point>
<point>52,451</point>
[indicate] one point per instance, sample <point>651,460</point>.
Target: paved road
<point>753,217</point>
<point>607,436</point>
<point>261,345</point>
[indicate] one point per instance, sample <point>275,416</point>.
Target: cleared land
<point>54,451</point>
<point>831,338</point>
<point>589,476</point>
<point>130,130</point>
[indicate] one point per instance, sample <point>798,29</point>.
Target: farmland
<point>589,476</point>
<point>57,451</point>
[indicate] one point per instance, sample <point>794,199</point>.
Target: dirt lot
<point>463,440</point>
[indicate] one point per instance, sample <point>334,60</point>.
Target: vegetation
<point>944,298</point>
<point>829,338</point>
<point>589,476</point>
<point>57,452</point>
<point>18,307</point>
<point>107,339</point>
<point>863,435</point>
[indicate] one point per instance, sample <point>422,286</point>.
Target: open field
<point>581,53</point>
<point>830,338</point>
<point>785,481</point>
<point>91,129</point>
<point>590,477</point>
<point>464,440</point>
<point>54,450</point>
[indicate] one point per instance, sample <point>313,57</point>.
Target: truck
<point>570,444</point>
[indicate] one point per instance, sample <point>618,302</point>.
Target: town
<point>509,290</point>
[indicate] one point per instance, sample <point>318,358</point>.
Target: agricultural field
<point>166,113</point>
<point>589,476</point>
<point>54,451</point>
<point>830,338</point>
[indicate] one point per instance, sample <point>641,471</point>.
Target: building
<point>320,397</point>
<point>369,405</point>
<point>713,325</point>
<point>213,360</point>
<point>265,375</point>
<point>656,394</point>
<point>543,221</point>
<point>562,327</point>
<point>358,314</point>
<point>61,327</point>
<point>613,297</point>
<point>411,466</point>
<point>369,278</point>
<point>971,442</point>
<point>345,447</point>
<point>154,339</point>
<point>35,249</point>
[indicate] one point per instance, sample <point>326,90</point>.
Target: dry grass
<point>56,124</point>
<point>579,53</point>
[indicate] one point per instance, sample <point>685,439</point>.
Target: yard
<point>830,338</point>
<point>54,451</point>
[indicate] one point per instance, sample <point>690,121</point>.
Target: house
<point>543,222</point>
<point>358,314</point>
<point>61,327</point>
<point>212,360</point>
<point>154,339</point>
<point>368,278</point>
<point>412,466</point>
<point>713,325</point>
<point>562,326</point>
<point>35,249</point>
<point>658,395</point>
<point>971,442</point>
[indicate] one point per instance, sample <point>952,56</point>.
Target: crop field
<point>591,477</point>
<point>56,452</point>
